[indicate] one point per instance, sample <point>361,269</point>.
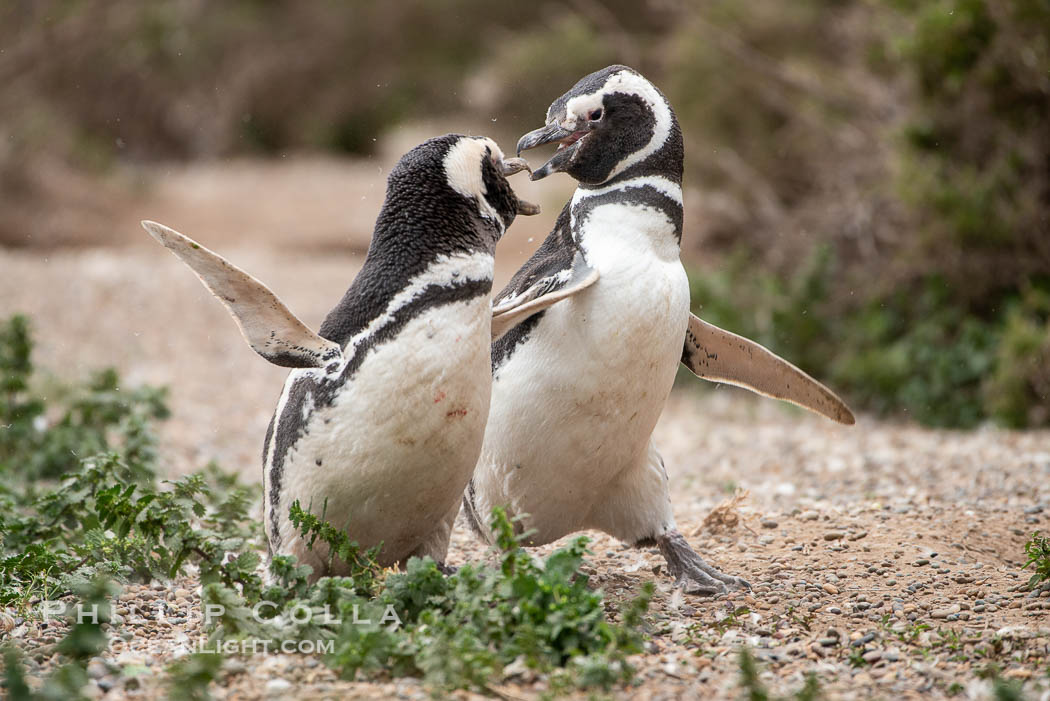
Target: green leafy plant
<point>755,690</point>
<point>47,439</point>
<point>337,542</point>
<point>85,639</point>
<point>1038,551</point>
<point>106,513</point>
<point>457,631</point>
<point>188,678</point>
<point>109,517</point>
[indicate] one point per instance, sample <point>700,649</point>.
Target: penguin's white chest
<point>574,407</point>
<point>392,451</point>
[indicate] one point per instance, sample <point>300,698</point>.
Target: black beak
<point>550,133</point>
<point>515,165</point>
<point>541,136</point>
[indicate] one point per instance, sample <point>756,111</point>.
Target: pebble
<point>96,669</point>
<point>278,685</point>
<point>809,516</point>
<point>830,588</point>
<point>768,523</point>
<point>945,613</point>
<point>873,656</point>
<point>834,535</point>
<point>863,640</point>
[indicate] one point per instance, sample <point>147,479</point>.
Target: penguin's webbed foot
<point>690,571</point>
<point>447,570</point>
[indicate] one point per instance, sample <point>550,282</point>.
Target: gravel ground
<point>884,558</point>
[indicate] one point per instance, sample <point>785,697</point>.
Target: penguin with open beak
<point>579,386</point>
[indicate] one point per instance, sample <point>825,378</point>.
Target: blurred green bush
<point>948,319</point>
<point>869,179</point>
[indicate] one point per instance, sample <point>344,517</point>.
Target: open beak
<point>516,165</point>
<point>544,135</point>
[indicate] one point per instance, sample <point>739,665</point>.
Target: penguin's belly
<point>574,407</point>
<point>392,452</point>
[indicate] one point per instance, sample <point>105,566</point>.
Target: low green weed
<point>1038,551</point>
<point>755,690</point>
<point>459,631</point>
<point>85,639</point>
<point>75,524</point>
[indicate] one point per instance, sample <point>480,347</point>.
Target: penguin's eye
<point>595,115</point>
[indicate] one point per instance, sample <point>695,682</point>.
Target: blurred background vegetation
<point>869,180</point>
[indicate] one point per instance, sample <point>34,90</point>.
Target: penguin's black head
<point>610,121</point>
<point>456,179</point>
<point>476,169</point>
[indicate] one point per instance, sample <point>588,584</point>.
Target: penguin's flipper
<point>511,311</point>
<point>720,356</point>
<point>270,329</point>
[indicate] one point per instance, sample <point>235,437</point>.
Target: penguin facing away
<point>380,425</point>
<point>579,386</point>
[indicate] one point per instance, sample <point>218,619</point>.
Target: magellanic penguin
<point>380,425</point>
<point>578,388</point>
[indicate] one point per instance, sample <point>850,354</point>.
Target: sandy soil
<point>884,557</point>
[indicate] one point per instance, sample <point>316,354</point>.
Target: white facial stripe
<point>463,172</point>
<point>661,184</point>
<point>631,84</point>
<point>580,107</point>
<point>443,270</point>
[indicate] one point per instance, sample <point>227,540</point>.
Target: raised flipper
<point>270,329</point>
<point>511,311</point>
<point>721,356</point>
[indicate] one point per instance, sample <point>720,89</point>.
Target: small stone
<point>945,613</point>
<point>863,640</point>
<point>873,656</point>
<point>834,535</point>
<point>830,588</point>
<point>278,686</point>
<point>809,516</point>
<point>768,523</point>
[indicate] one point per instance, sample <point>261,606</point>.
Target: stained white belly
<point>575,406</point>
<point>394,451</point>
